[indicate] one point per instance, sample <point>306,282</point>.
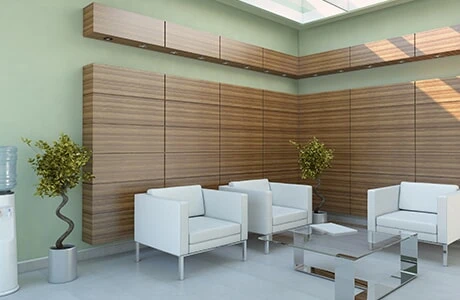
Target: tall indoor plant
<point>314,158</point>
<point>59,168</point>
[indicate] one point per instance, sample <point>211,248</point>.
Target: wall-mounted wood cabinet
<point>324,63</point>
<point>191,43</point>
<point>280,63</point>
<point>241,54</point>
<point>438,42</point>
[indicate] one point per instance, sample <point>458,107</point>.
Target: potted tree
<point>314,158</point>
<point>59,168</point>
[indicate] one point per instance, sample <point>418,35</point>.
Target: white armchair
<point>430,210</point>
<point>274,207</point>
<point>188,220</point>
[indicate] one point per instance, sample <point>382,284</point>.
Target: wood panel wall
<point>153,130</point>
<point>393,133</point>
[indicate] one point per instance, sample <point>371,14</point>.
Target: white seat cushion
<point>256,184</point>
<point>202,229</point>
<point>283,214</point>
<point>410,221</point>
<point>190,193</point>
<point>419,196</point>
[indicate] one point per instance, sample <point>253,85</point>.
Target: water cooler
<point>8,252</point>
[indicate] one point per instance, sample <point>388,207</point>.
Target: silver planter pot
<point>319,217</point>
<point>62,264</point>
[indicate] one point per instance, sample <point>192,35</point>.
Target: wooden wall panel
<point>288,176</point>
<point>240,53</point>
<point>278,140</point>
<point>280,63</point>
<point>108,227</point>
<point>111,138</point>
<point>384,51</point>
<point>237,140</point>
<point>193,91</point>
<point>183,139</point>
<point>208,182</point>
<point>122,26</point>
<point>109,168</point>
<point>438,41</point>
<point>324,62</point>
<point>226,178</point>
<point>103,79</point>
<point>185,114</point>
<point>280,161</point>
<point>197,44</point>
<point>113,109</point>
<point>241,162</point>
<point>280,102</point>
<point>183,165</point>
<point>278,120</point>
<point>241,118</point>
<point>238,96</point>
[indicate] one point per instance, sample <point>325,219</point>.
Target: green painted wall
<point>416,16</point>
<point>41,58</point>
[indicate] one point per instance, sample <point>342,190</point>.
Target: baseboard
<point>84,254</point>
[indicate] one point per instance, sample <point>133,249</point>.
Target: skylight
<point>306,11</point>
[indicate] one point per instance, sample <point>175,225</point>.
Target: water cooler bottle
<point>8,252</point>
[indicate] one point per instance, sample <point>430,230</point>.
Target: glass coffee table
<point>346,252</point>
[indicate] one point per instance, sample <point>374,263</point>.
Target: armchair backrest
<point>190,193</point>
<point>421,196</point>
<point>255,184</point>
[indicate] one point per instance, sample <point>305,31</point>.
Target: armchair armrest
<point>293,195</point>
<point>161,223</point>
<point>448,218</point>
<point>228,206</point>
<point>379,202</point>
<point>260,216</point>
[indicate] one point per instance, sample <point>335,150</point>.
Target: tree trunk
<point>60,240</point>
<point>319,195</point>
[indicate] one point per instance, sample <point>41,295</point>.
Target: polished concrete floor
<point>220,274</point>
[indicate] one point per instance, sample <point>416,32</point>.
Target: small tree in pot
<point>59,168</point>
<point>314,158</point>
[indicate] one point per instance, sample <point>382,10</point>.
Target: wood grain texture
<point>236,140</point>
<point>110,138</point>
<point>183,139</point>
<point>288,176</point>
<point>200,43</point>
<point>390,162</point>
<point>276,101</point>
<point>122,110</point>
<point>108,227</point>
<point>118,81</point>
<point>238,96</point>
<point>241,118</point>
<point>113,197</point>
<point>382,52</point>
<point>183,165</point>
<point>379,107</point>
<point>226,178</point>
<point>278,140</point>
<point>438,165</point>
<point>383,140</point>
<point>440,179</point>
<point>338,139</point>
<point>324,62</point>
<point>324,111</point>
<point>444,40</point>
<point>100,21</point>
<point>277,120</point>
<point>444,140</point>
<point>111,168</point>
<point>280,161</point>
<point>184,114</point>
<point>240,53</point>
<point>208,182</point>
<point>280,63</point>
<point>191,90</point>
<point>241,162</point>
<point>361,182</point>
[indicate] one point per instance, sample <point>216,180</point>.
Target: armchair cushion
<point>418,196</point>
<point>256,184</point>
<point>191,193</point>
<point>202,229</point>
<point>410,221</point>
<point>283,215</point>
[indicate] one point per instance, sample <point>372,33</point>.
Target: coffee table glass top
<point>352,246</point>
